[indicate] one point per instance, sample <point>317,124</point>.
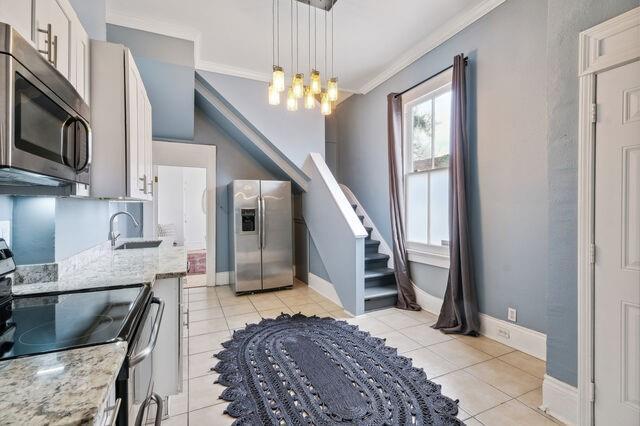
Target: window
<point>426,132</point>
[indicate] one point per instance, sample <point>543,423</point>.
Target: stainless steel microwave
<point>45,136</point>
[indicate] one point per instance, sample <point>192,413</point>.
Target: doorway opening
<point>182,215</point>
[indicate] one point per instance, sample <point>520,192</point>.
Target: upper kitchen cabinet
<point>122,161</point>
<point>53,27</point>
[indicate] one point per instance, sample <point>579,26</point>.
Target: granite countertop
<point>67,387</point>
<point>118,268</point>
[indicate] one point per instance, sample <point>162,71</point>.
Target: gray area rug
<point>298,370</point>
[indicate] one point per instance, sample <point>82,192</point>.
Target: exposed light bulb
<point>332,89</point>
<point>274,95</point>
<point>298,86</point>
<point>309,99</point>
<point>316,84</point>
<point>278,78</point>
<point>292,102</point>
<point>325,104</point>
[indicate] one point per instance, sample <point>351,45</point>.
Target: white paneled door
<point>617,239</point>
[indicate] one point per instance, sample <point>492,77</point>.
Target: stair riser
<point>375,264</point>
<point>379,281</point>
<point>384,302</point>
<point>371,248</point>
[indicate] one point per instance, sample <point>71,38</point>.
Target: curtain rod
<point>466,60</point>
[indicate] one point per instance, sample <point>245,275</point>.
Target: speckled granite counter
<point>118,268</point>
<point>60,388</point>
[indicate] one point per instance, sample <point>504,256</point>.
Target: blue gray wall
<point>507,137</point>
<point>232,162</point>
<point>166,66</point>
<point>92,14</point>
<point>295,134</point>
<point>523,110</point>
<point>566,18</point>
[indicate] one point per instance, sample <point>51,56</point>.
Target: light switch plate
<point>5,231</point>
<point>511,314</point>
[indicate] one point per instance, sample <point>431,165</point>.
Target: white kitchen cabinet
<point>121,120</point>
<point>169,352</point>
<point>53,27</point>
<point>53,33</point>
<point>18,14</point>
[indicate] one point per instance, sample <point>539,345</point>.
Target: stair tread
<point>378,273</point>
<point>379,292</point>
<point>355,206</point>
<point>371,242</point>
<point>368,228</point>
<point>376,256</point>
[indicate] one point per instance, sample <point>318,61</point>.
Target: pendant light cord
<point>332,45</point>
<point>325,42</point>
<point>315,39</point>
<point>297,39</point>
<point>292,64</point>
<point>309,38</point>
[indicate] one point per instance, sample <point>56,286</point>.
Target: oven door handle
<point>144,353</point>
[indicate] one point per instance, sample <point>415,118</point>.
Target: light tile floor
<point>495,384</point>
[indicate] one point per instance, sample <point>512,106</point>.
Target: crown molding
<point>442,34</point>
<point>211,66</point>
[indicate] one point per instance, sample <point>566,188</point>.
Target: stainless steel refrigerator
<point>260,235</point>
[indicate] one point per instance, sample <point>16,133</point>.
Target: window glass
<point>427,135</point>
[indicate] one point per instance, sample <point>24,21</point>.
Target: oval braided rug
<point>298,370</point>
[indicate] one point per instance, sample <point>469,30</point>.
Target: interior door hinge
<point>592,254</point>
<point>592,392</point>
<point>594,112</point>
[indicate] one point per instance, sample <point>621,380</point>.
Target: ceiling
<point>374,39</point>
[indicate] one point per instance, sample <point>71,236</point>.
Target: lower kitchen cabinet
<point>168,354</point>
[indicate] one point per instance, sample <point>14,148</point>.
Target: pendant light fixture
<point>325,103</point>
<point>332,84</point>
<point>298,80</point>
<point>315,83</point>
<point>277,81</point>
<point>292,99</point>
<point>309,99</point>
<point>298,89</point>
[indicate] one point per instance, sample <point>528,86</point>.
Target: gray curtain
<point>459,313</point>
<point>406,294</point>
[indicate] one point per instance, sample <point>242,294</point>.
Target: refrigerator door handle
<point>263,207</point>
<point>259,222</point>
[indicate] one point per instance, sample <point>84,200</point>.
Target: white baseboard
<point>426,301</point>
<point>523,339</point>
<point>559,400</point>
<point>222,278</point>
<point>324,288</point>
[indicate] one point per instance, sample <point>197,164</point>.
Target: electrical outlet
<point>511,314</point>
<point>503,332</point>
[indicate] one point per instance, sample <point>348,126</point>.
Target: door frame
<point>191,155</point>
<point>620,50</point>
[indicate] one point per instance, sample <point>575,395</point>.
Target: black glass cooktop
<point>46,323</point>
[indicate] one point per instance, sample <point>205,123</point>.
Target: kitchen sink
<point>138,245</point>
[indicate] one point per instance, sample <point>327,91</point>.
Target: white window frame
<point>420,252</point>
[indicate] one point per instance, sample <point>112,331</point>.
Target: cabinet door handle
<point>115,411</point>
<point>143,179</point>
<point>55,52</point>
<point>48,41</point>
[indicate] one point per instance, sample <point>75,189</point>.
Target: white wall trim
<point>435,39</point>
<point>623,46</point>
<point>521,338</point>
<point>434,259</point>
<point>222,278</point>
<point>559,400</point>
<point>324,288</point>
<point>232,71</point>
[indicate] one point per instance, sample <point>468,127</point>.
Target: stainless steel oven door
<point>39,132</point>
<point>140,384</point>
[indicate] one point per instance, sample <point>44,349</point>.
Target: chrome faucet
<point>112,234</point>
